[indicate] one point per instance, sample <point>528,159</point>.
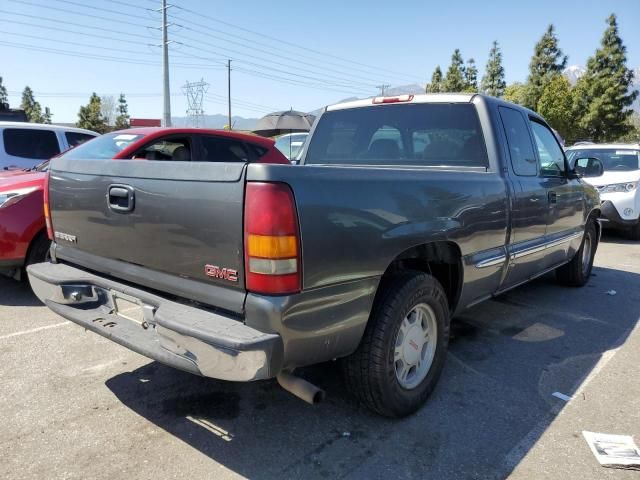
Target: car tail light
<point>272,239</point>
<point>399,98</point>
<point>47,213</point>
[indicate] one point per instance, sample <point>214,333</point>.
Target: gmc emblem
<point>222,273</point>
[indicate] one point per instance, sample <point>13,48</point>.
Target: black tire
<point>576,273</point>
<point>634,232</point>
<point>38,250</point>
<point>370,371</point>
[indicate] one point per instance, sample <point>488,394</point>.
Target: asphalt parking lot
<point>76,406</point>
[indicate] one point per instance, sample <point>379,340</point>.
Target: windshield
<point>103,147</point>
<point>613,159</point>
<point>291,145</point>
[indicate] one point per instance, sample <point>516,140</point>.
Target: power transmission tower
<point>382,88</point>
<point>195,97</point>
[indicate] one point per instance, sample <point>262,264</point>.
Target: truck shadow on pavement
<point>507,357</point>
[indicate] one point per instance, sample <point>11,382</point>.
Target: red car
<point>23,235</point>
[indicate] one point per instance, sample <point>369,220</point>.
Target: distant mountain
<point>573,73</point>
<point>218,121</point>
<point>411,89</point>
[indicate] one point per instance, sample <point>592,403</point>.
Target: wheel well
<point>594,215</point>
<point>40,234</point>
<point>442,260</point>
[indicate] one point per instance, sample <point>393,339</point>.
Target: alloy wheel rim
<point>415,346</point>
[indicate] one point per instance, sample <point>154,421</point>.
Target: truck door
<point>529,204</point>
<point>566,208</point>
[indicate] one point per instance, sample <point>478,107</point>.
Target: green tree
<point>436,81</point>
<point>515,93</point>
<point>31,108</point>
<point>122,110</point>
<point>556,106</point>
<point>471,76</point>
<point>455,80</point>
<point>90,115</point>
<point>4,97</point>
<point>547,61</point>
<point>633,136</point>
<point>605,95</point>
<point>493,80</point>
<point>46,118</point>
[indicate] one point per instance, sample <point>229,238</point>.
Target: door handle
<point>121,198</point>
<point>553,197</point>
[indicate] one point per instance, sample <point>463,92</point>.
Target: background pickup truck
<point>404,211</point>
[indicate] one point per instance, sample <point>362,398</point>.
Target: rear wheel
<point>576,273</point>
<point>38,250</point>
<point>403,350</point>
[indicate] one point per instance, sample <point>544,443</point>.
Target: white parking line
<point>33,330</point>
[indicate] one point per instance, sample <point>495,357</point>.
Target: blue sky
<point>362,44</point>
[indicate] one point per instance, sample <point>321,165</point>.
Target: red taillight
<point>271,239</point>
<point>47,213</point>
<point>399,98</point>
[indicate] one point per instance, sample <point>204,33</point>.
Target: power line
<point>194,91</point>
<point>317,52</point>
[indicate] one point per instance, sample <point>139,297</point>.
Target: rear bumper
<point>611,217</point>
<point>181,336</point>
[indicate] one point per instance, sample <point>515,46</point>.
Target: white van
<point>618,186</point>
<point>24,145</point>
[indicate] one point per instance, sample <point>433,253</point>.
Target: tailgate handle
<point>121,198</point>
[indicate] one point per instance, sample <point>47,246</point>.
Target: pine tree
<point>122,118</point>
<point>471,76</point>
<point>605,90</point>
<point>454,81</point>
<point>31,108</point>
<point>556,106</point>
<point>4,97</point>
<point>493,80</point>
<point>90,116</point>
<point>436,81</point>
<point>547,61</point>
<point>46,118</point>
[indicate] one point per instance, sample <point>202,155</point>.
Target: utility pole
<point>382,88</point>
<point>166,112</point>
<point>229,91</point>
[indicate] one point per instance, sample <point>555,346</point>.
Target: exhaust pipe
<point>300,388</point>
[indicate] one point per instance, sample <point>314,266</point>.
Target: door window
<point>30,143</point>
<point>219,149</point>
<point>551,155</point>
<point>523,159</point>
<point>76,138</point>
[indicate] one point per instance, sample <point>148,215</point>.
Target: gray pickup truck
<point>404,211</point>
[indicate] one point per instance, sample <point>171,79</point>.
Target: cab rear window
<point>30,143</point>
<point>408,134</point>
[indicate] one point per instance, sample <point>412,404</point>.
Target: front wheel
<point>576,273</point>
<point>402,352</point>
<point>634,232</point>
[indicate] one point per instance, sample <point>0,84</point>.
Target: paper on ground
<point>615,451</point>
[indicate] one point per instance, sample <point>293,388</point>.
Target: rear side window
<point>75,138</point>
<point>218,149</point>
<point>523,159</point>
<point>30,143</point>
<point>408,134</point>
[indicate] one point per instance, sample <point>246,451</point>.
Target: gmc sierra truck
<point>403,211</point>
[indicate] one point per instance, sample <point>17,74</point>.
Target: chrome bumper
<point>185,337</point>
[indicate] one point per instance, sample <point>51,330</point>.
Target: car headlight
<point>14,196</point>
<point>619,187</point>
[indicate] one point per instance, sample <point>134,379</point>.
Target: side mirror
<point>588,167</point>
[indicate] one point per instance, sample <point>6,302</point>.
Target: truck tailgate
<point>154,223</point>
